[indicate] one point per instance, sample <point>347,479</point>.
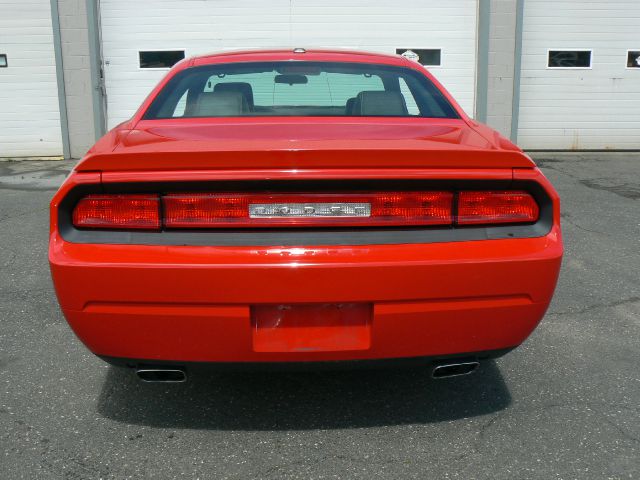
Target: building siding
<point>579,109</point>
<point>204,26</point>
<point>596,108</point>
<point>29,112</point>
<point>501,62</point>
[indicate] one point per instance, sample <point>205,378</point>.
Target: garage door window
<point>569,59</point>
<point>160,58</point>
<point>633,59</point>
<point>429,57</point>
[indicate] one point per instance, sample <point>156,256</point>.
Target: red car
<point>287,207</point>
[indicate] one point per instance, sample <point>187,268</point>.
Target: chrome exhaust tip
<point>161,375</point>
<point>454,369</point>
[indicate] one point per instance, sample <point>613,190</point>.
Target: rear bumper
<point>405,362</point>
<point>193,303</point>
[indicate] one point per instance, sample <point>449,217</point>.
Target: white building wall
<point>204,26</point>
<point>77,76</point>
<point>596,108</point>
<point>29,109</point>
<point>502,36</point>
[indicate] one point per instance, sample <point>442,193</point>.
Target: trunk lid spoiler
<point>318,144</point>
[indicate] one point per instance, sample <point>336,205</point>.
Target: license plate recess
<point>317,327</point>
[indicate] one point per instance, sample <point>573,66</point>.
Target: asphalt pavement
<point>565,405</point>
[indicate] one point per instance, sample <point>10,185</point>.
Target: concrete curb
<point>28,159</point>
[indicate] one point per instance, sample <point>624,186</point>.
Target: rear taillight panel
<point>126,211</point>
<point>496,207</point>
<point>213,210</point>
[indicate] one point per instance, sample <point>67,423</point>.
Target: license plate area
<point>325,327</point>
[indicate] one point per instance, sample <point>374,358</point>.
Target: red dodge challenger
<point>303,207</point>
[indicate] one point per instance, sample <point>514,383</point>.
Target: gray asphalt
<point>564,405</point>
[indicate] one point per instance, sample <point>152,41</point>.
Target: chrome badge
<point>306,210</point>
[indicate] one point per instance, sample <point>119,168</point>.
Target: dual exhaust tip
<point>178,375</point>
<point>454,369</point>
<point>162,375</point>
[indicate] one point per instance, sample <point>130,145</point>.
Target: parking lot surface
<point>565,405</point>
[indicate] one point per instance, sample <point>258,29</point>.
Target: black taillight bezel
<point>306,235</point>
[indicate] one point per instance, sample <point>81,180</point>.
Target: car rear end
<point>461,262</point>
<point>253,239</point>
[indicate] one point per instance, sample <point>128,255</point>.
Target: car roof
<point>300,54</point>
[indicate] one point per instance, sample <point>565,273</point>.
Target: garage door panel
<point>595,108</point>
<point>204,26</point>
<point>30,114</point>
<point>193,25</point>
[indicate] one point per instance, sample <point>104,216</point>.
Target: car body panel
<point>194,303</point>
<point>133,301</point>
<point>298,142</point>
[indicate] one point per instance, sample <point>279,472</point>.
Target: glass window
<point>324,89</point>
<point>181,106</point>
<point>299,89</point>
<point>412,106</point>
<point>569,59</point>
<point>429,57</point>
<point>3,60</point>
<point>633,59</point>
<point>160,58</point>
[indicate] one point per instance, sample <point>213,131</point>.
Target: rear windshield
<point>310,89</point>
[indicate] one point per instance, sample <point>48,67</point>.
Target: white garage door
<point>29,110</point>
<point>200,26</point>
<point>580,77</point>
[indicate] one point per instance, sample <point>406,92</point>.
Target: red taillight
<point>490,207</point>
<point>414,208</point>
<point>118,211</point>
<point>249,210</point>
<point>209,210</point>
<point>203,210</point>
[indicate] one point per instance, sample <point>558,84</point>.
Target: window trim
<point>626,59</point>
<point>162,69</point>
<point>440,65</point>
<point>590,50</point>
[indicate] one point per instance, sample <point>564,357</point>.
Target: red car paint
<point>302,302</point>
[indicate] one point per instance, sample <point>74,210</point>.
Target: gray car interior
<point>243,87</point>
<point>373,103</point>
<point>220,104</point>
<point>236,99</point>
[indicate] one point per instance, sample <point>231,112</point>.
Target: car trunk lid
<point>319,143</point>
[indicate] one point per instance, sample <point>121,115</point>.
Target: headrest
<point>243,87</point>
<point>349,106</point>
<point>220,104</point>
<point>371,103</point>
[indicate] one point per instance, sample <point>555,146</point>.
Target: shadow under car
<point>302,400</point>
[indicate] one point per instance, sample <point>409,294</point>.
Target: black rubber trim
<point>304,236</point>
<point>305,366</point>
